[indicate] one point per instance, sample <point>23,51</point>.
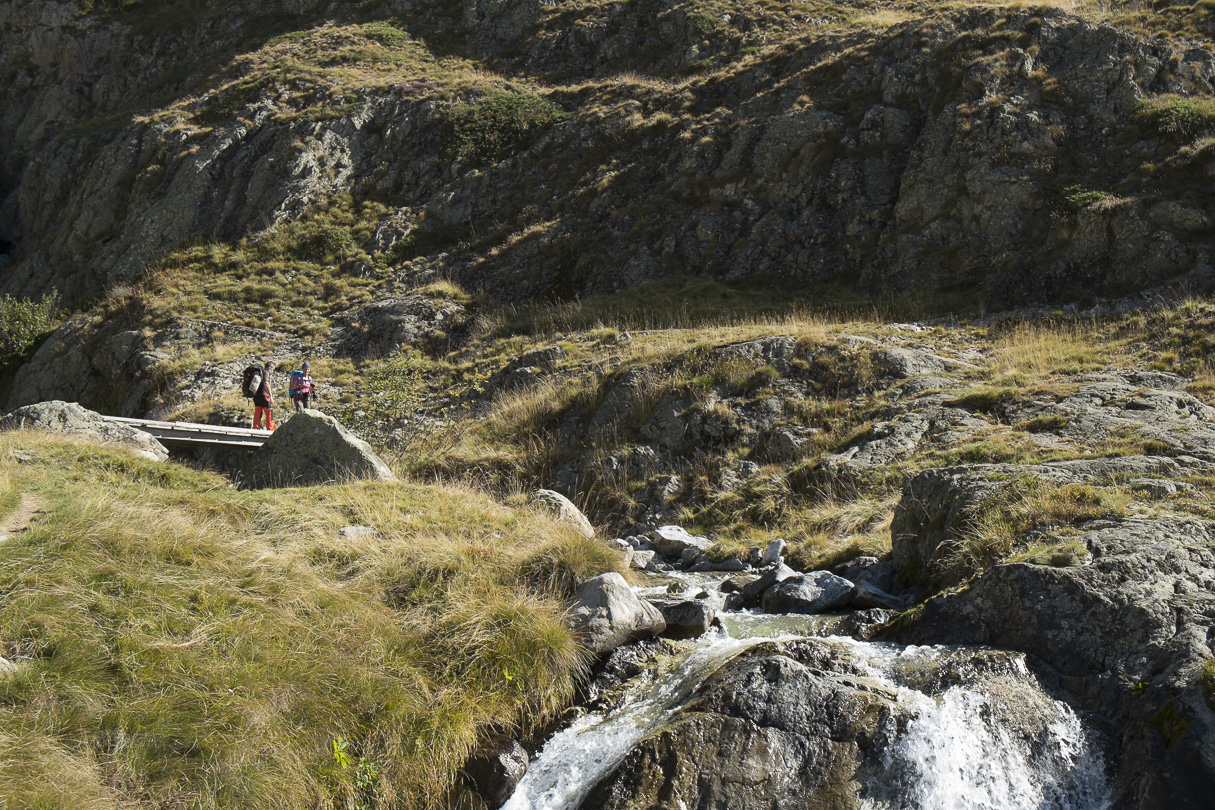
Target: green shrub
<point>1207,679</point>
<point>1073,198</point>
<point>498,125</point>
<point>23,324</point>
<point>384,33</point>
<point>1179,117</point>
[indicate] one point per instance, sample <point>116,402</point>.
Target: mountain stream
<point>956,752</point>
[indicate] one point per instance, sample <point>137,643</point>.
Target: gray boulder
<point>74,420</point>
<point>879,573</point>
<point>495,768</point>
<point>313,448</point>
<point>815,592</point>
<point>606,613</point>
<point>772,554</point>
<point>754,590</point>
<point>643,559</point>
<point>382,327</point>
<point>687,619</point>
<point>673,542</point>
<point>902,363</point>
<point>563,509</point>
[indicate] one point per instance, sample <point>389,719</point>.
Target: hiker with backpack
<point>257,384</point>
<point>302,389</point>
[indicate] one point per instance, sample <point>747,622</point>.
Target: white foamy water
<point>953,755</point>
<point>956,756</point>
<point>578,757</point>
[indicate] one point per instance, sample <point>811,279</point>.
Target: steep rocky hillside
<point>562,149</point>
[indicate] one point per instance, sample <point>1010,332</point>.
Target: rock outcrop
<point>495,768</point>
<point>1125,628</point>
<point>71,419</point>
<point>313,448</point>
<point>805,724</point>
<point>931,157</point>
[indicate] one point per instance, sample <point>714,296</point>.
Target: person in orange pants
<point>263,400</point>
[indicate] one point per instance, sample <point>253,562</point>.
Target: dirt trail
<point>19,520</point>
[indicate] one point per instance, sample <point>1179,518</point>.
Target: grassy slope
<point>522,436</point>
<point>175,642</point>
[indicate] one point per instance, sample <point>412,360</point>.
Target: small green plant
<point>23,324</point>
<point>498,125</point>
<point>1075,197</point>
<point>1139,688</point>
<point>1207,679</point>
<point>702,23</point>
<point>341,753</point>
<point>1170,722</point>
<point>384,33</point>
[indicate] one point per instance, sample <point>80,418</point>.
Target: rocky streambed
<point>771,710</point>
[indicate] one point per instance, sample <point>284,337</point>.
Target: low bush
<point>24,323</point>
<point>1182,118</point>
<point>497,125</point>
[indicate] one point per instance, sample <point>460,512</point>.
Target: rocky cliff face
<point>1015,155</point>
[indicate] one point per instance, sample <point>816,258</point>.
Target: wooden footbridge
<point>191,434</point>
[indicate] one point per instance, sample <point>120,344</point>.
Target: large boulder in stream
<point>815,592</point>
<point>606,613</point>
<point>817,725</point>
<point>72,419</point>
<point>689,618</point>
<point>313,448</point>
<point>1124,624</point>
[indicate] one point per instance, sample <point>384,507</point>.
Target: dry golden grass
<point>1037,350</point>
<point>176,640</point>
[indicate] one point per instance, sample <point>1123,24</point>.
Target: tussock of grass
<point>177,640</point>
<point>1000,525</point>
<point>1061,554</point>
<point>1040,350</point>
<point>1044,424</point>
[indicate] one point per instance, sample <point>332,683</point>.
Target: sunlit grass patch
<point>1039,350</point>
<point>1000,525</point>
<point>159,620</point>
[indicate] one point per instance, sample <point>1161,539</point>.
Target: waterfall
<point>578,757</point>
<point>961,750</point>
<point>956,756</point>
